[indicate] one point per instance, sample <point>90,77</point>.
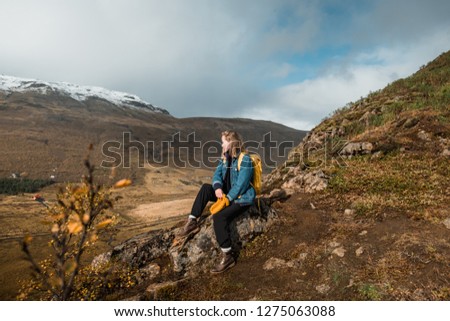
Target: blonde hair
<point>236,142</point>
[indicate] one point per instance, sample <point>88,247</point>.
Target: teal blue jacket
<point>241,190</point>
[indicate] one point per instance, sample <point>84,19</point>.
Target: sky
<point>289,61</point>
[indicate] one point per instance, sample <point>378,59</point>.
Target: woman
<point>233,188</point>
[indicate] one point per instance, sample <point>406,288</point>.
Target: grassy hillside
<point>408,124</point>
<point>379,230</point>
<point>406,168</point>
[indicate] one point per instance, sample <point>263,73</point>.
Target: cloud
<point>224,58</point>
<point>302,105</point>
<point>185,56</point>
<point>401,21</point>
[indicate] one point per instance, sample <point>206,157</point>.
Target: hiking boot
<point>226,263</point>
<point>190,227</point>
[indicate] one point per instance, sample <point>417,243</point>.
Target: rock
<point>150,271</point>
<point>363,233</point>
<point>307,182</point>
<point>377,155</point>
<point>274,263</point>
<point>410,122</point>
<point>202,252</point>
<point>157,290</point>
<point>349,212</point>
<point>290,192</point>
<point>334,244</point>
<point>278,194</point>
<point>340,251</point>
<point>315,181</point>
<point>350,283</point>
<point>101,260</point>
<point>423,135</point>
<point>192,255</point>
<point>142,249</point>
<point>444,142</point>
<point>302,256</point>
<point>291,185</point>
<point>360,148</point>
<point>323,288</point>
<point>447,223</point>
<point>359,251</point>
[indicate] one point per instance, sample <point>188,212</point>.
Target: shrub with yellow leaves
<point>80,216</point>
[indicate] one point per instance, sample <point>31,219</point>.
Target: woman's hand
<point>219,193</point>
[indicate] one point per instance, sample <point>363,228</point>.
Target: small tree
<point>79,217</point>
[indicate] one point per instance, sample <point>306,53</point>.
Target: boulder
<point>142,249</point>
<point>202,252</point>
<point>193,254</point>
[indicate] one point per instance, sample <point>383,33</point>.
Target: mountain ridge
<point>77,92</point>
<point>45,129</point>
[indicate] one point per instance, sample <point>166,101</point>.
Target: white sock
<point>192,217</point>
<point>226,250</point>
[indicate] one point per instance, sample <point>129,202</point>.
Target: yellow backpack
<point>257,171</point>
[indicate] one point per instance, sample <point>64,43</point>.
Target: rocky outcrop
<point>194,254</point>
<point>302,171</point>
<point>307,182</point>
<point>202,252</point>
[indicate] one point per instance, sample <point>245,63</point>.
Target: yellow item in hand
<point>220,204</point>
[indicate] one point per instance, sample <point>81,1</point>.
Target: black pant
<point>221,219</point>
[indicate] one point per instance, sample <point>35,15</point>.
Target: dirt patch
<point>162,210</point>
<point>331,256</point>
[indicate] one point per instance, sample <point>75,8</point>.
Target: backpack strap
<point>241,156</point>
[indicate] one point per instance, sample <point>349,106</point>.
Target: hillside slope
<point>363,205</point>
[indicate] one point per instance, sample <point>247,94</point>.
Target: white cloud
<point>302,105</point>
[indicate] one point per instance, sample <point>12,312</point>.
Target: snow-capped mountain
<point>77,92</point>
<point>47,125</point>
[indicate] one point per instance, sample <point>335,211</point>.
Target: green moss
<point>408,184</point>
<point>370,292</point>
